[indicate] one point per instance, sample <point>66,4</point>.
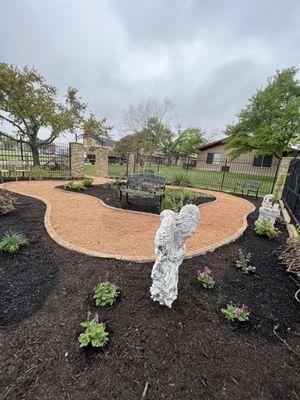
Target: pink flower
<point>89,314</point>
<point>96,318</point>
<point>237,311</point>
<point>207,270</point>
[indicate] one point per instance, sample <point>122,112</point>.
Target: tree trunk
<point>35,154</point>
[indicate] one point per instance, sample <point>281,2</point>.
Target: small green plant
<point>233,312</point>
<point>206,279</point>
<point>265,228</point>
<point>11,242</point>
<point>105,294</point>
<point>88,182</point>
<point>76,186</point>
<point>94,333</point>
<point>181,180</point>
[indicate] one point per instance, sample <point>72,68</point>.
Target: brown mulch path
<point>86,224</point>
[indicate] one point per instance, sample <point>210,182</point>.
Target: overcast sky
<point>207,56</point>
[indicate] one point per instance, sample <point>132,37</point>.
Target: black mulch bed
<point>188,352</point>
<point>111,197</point>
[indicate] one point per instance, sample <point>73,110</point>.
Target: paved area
<point>85,224</point>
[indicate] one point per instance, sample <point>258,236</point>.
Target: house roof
<point>210,145</point>
<point>105,142</point>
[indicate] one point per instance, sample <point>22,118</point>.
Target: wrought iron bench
<point>144,185</point>
<point>13,169</point>
<point>249,186</point>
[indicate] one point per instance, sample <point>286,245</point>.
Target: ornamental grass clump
<point>233,312</point>
<point>94,334</point>
<point>105,293</point>
<point>243,263</point>
<point>265,228</point>
<point>206,278</point>
<point>11,242</point>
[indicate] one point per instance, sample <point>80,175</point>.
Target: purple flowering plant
<point>233,312</point>
<point>94,334</point>
<point>243,263</point>
<point>206,278</point>
<point>105,293</point>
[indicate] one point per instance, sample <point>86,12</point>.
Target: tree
<point>28,104</point>
<point>136,118</point>
<point>188,141</point>
<point>270,123</point>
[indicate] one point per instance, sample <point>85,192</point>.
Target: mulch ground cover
<point>110,195</point>
<point>187,352</point>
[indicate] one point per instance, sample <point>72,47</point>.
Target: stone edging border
<point>92,253</point>
<point>292,231</point>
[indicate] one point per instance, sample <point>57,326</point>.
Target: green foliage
<point>175,199</point>
<point>270,123</point>
<point>87,182</point>
<point>11,242</point>
<point>265,228</point>
<point>181,180</point>
<point>233,312</point>
<point>243,263</point>
<point>105,294</point>
<point>206,278</point>
<point>94,334</point>
<point>75,186</point>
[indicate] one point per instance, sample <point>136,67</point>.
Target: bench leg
<point>127,197</point>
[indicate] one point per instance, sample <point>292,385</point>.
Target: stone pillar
<point>131,163</point>
<point>281,177</point>
<point>101,163</point>
<point>76,159</point>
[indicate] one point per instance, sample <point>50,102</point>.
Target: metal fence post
<point>224,172</point>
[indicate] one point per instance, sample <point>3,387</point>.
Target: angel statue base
<point>170,250</point>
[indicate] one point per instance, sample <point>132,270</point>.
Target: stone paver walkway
<point>83,223</point>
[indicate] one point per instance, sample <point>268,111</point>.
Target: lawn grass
<point>199,178</point>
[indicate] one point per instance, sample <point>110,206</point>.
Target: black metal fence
<point>223,174</point>
<point>17,160</point>
<point>291,191</point>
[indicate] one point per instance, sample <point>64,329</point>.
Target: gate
<point>291,192</point>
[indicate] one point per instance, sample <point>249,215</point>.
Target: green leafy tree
<point>188,141</point>
<point>270,123</point>
<point>28,105</point>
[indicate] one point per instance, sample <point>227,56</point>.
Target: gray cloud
<point>208,57</point>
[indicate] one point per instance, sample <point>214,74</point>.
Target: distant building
<point>212,157</point>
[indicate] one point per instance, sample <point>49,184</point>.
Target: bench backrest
<point>255,185</point>
<point>144,181</point>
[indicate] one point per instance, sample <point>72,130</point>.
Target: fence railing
<point>223,175</point>
<point>291,192</point>
<point>18,161</point>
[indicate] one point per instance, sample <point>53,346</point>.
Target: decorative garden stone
<point>170,250</point>
<point>269,209</point>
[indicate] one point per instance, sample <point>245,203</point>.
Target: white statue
<point>170,250</point>
<point>269,209</point>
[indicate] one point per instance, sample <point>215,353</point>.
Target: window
<point>213,158</point>
<point>263,161</point>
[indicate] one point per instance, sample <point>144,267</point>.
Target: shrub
<point>88,182</point>
<point>7,202</point>
<point>233,312</point>
<point>206,279</point>
<point>265,228</point>
<point>76,186</point>
<point>11,242</point>
<point>175,199</point>
<point>105,294</point>
<point>181,180</point>
<point>94,333</point>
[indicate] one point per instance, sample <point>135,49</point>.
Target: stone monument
<point>170,250</point>
<point>269,209</point>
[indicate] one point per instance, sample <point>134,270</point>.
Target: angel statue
<point>170,250</point>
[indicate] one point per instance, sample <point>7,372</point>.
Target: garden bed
<point>188,352</point>
<point>110,195</point>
